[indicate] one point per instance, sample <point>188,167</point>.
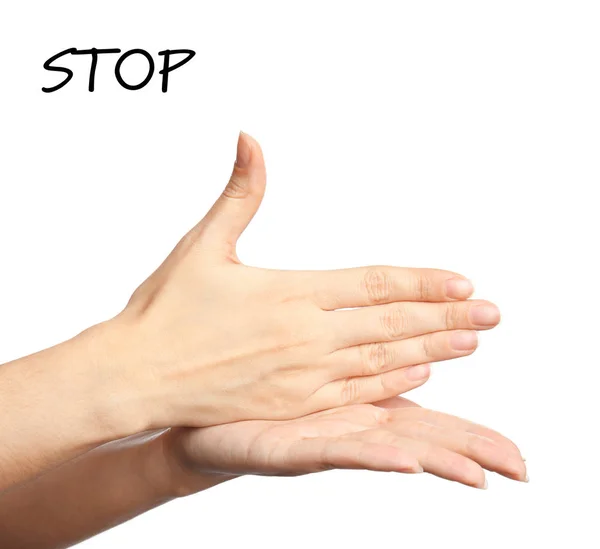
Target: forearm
<point>57,404</point>
<point>92,493</point>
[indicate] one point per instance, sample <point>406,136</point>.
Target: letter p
<point>167,68</point>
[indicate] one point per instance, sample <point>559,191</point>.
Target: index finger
<point>365,286</point>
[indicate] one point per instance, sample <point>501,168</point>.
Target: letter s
<point>48,66</point>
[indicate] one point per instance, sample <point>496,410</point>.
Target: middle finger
<point>397,321</point>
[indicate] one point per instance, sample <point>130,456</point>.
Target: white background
<point>460,135</point>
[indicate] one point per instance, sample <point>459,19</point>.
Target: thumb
<point>235,208</point>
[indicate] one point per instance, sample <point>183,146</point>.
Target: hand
<point>206,340</point>
<point>395,435</point>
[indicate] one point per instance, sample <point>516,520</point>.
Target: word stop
<point>95,52</point>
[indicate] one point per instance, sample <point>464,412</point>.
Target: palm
<point>396,435</point>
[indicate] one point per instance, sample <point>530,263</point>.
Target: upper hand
<point>207,340</point>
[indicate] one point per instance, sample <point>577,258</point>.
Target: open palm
<point>393,435</point>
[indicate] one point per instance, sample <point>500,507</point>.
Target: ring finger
<point>376,358</point>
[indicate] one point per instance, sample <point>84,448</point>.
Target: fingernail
<point>243,152</point>
<point>526,478</point>
<point>458,288</point>
<point>463,341</point>
<point>485,315</point>
<point>485,485</point>
<point>414,373</point>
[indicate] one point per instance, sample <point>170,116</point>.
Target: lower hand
<point>394,435</point>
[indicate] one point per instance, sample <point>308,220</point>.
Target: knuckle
<point>350,393</point>
<point>452,315</point>
<point>377,284</point>
<point>237,187</point>
<point>189,239</point>
<point>423,289</point>
<point>383,417</point>
<point>376,357</point>
<point>429,346</point>
<point>186,242</point>
<point>395,323</point>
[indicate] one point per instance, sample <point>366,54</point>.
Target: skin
<point>202,317</point>
<point>121,480</point>
<point>206,340</point>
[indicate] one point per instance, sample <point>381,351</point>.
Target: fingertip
<point>518,472</point>
<point>469,472</point>
<point>248,178</point>
<point>253,146</point>
<point>244,151</point>
<point>459,288</point>
<point>478,480</point>
<point>464,340</point>
<point>484,315</point>
<point>418,373</point>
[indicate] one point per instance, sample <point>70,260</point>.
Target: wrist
<point>111,397</point>
<point>175,476</point>
<point>59,403</point>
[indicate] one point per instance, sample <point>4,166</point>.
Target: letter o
<point>150,69</point>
